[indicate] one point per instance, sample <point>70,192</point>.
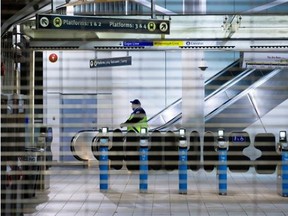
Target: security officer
<point>137,119</point>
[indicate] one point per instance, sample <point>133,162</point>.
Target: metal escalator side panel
<point>220,73</point>
<point>221,79</point>
<point>172,114</point>
<point>177,103</point>
<point>234,117</point>
<point>271,93</point>
<point>227,92</point>
<point>81,145</point>
<point>240,112</point>
<point>154,124</point>
<point>166,116</point>
<point>232,100</point>
<point>171,125</point>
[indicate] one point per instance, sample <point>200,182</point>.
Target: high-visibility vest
<point>137,126</point>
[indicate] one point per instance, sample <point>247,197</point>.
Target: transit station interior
<point>212,77</point>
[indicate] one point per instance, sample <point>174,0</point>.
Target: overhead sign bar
<point>89,23</point>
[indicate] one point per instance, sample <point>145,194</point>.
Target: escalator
<point>237,103</point>
<point>248,106</point>
<point>172,114</point>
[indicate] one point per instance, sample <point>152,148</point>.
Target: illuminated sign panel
<point>89,23</point>
<point>110,62</point>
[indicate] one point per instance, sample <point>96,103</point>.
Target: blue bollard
<point>182,167</point>
<point>104,168</point>
<point>143,169</point>
<point>285,173</point>
<point>222,171</point>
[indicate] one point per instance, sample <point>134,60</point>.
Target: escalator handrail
<point>206,82</point>
<point>222,71</point>
<point>224,88</point>
<point>173,104</point>
<point>244,92</point>
<point>231,82</point>
<point>73,141</point>
<point>169,123</point>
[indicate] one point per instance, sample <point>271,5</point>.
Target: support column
<point>120,92</point>
<point>192,91</point>
<point>32,98</point>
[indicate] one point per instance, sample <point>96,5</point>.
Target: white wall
<point>154,78</point>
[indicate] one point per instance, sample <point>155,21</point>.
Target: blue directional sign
<point>110,62</point>
<point>90,23</point>
<point>137,43</point>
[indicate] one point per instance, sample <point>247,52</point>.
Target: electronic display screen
<point>182,132</point>
<point>143,131</point>
<point>282,135</point>
<point>221,133</point>
<point>238,139</point>
<point>104,130</point>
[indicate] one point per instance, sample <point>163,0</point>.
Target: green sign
<point>89,23</point>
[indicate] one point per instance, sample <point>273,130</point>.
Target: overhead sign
<point>110,62</point>
<point>89,23</point>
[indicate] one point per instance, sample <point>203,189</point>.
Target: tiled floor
<point>75,191</point>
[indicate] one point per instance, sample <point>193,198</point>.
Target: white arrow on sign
<point>44,21</point>
<point>163,26</point>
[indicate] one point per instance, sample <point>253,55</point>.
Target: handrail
<point>233,64</point>
<point>74,140</point>
<point>206,82</point>
<point>231,82</point>
<point>244,92</point>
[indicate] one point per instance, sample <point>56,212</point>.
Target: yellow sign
<point>168,43</point>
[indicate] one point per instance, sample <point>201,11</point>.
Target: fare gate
<point>165,150</point>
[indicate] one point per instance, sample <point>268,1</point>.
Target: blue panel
<point>218,6</point>
<point>172,5</point>
<point>239,6</point>
<point>283,8</point>
<point>76,114</point>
